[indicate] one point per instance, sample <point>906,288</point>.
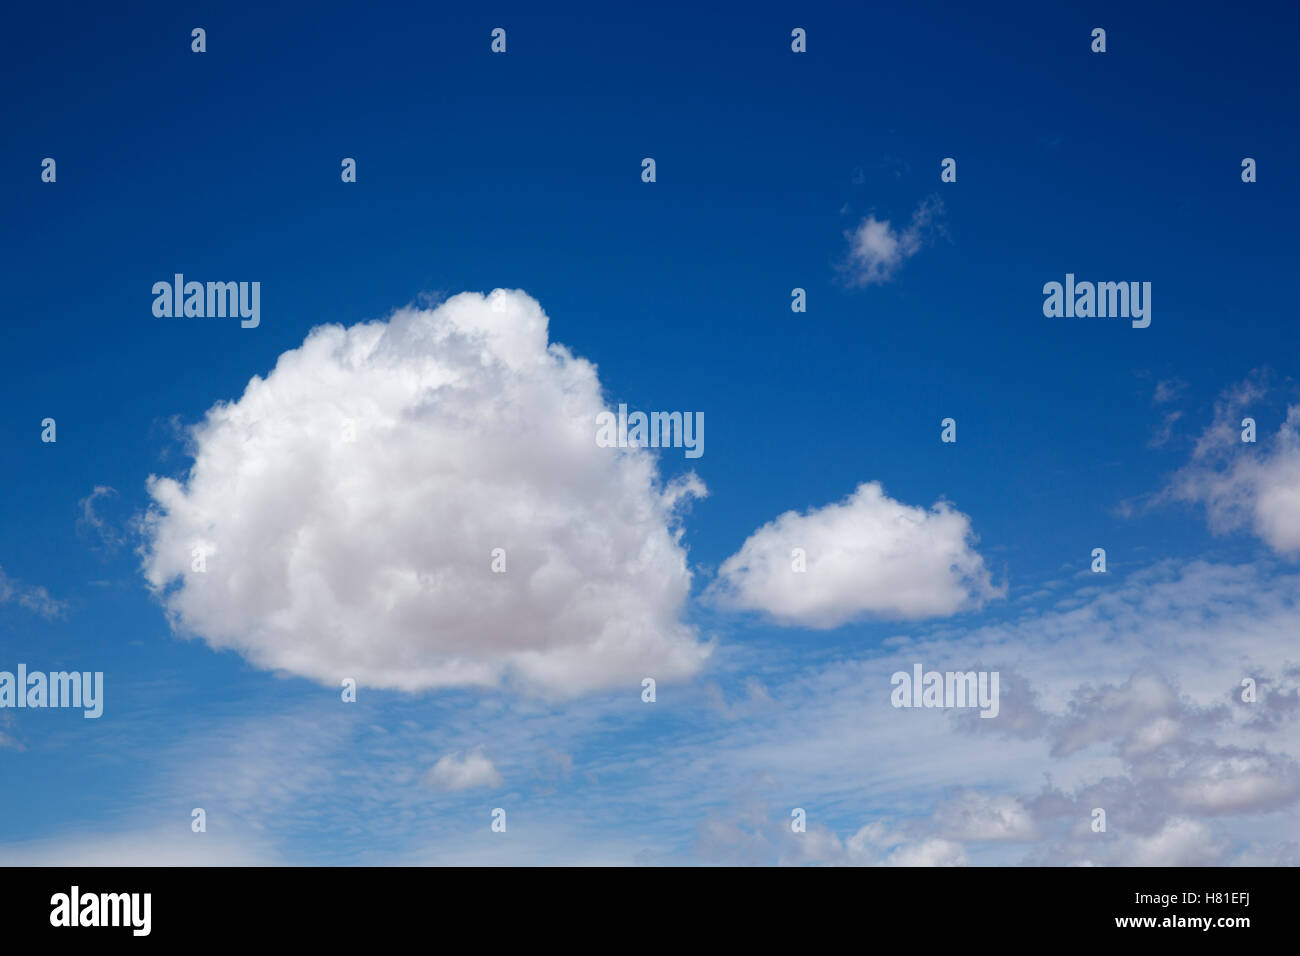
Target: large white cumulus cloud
<point>866,556</point>
<point>371,558</point>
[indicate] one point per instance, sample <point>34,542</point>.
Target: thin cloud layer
<point>1188,769</point>
<point>341,518</point>
<point>868,556</point>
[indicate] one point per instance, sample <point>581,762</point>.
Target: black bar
<point>660,908</point>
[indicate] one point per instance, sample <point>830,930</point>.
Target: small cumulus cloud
<point>470,771</point>
<point>877,249</point>
<point>867,556</point>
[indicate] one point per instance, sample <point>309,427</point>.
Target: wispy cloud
<point>31,597</point>
<point>1246,485</point>
<point>877,249</point>
<point>94,525</point>
<point>1168,390</point>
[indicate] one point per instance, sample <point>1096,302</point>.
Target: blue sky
<point>522,171</point>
